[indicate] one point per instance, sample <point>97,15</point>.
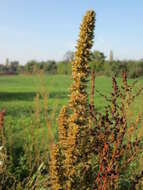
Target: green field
<point>27,134</point>
<point>17,92</point>
<point>17,95</point>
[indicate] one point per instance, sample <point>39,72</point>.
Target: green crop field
<point>17,92</point>
<point>22,127</point>
<point>17,95</point>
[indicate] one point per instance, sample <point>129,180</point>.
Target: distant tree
<point>31,66</point>
<point>50,67</point>
<point>118,67</point>
<point>46,66</point>
<point>97,60</point>
<point>2,68</point>
<point>7,63</point>
<point>111,56</point>
<point>14,66</point>
<point>68,57</point>
<point>64,68</point>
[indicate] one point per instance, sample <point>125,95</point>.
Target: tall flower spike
<point>63,126</point>
<point>69,159</point>
<point>79,105</point>
<point>56,169</point>
<point>80,70</point>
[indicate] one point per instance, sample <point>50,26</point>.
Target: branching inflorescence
<point>95,149</point>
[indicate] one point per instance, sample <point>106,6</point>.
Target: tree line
<point>98,63</point>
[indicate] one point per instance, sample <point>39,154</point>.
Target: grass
<point>17,92</point>
<point>17,96</point>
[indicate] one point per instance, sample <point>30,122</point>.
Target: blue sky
<point>46,29</point>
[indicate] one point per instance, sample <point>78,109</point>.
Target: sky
<point>46,29</point>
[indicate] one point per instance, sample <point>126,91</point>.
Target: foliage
<point>10,67</point>
<point>34,66</point>
<point>133,69</point>
<point>64,67</point>
<point>97,60</point>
